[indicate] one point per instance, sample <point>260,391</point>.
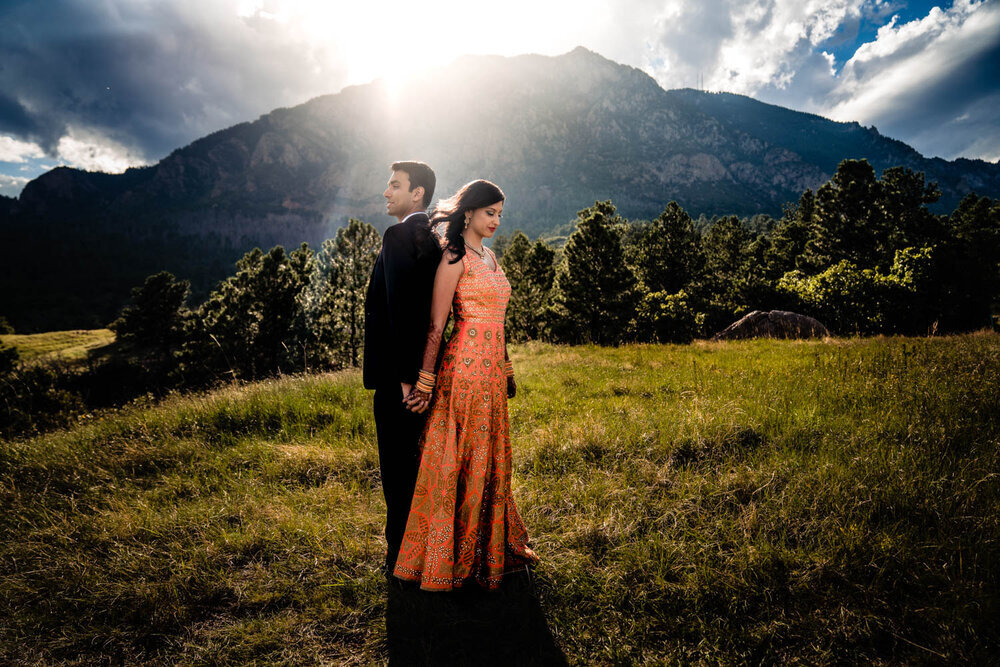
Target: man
<point>397,315</point>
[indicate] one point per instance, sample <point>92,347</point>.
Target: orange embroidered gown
<point>463,523</point>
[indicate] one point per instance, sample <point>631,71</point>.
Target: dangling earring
<point>467,218</point>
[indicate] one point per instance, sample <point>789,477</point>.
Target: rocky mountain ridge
<point>557,133</point>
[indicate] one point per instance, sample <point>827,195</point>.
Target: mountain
<point>557,133</point>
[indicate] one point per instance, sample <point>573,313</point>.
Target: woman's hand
<point>511,387</point>
<point>417,401</point>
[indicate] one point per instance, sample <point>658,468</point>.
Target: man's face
<point>400,201</point>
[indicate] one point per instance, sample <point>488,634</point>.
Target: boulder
<point>773,324</point>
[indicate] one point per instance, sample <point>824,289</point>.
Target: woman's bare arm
<point>445,282</point>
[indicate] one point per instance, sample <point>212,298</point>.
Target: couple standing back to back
<point>441,415</point>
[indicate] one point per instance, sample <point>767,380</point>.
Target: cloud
<point>12,150</point>
<point>934,80</point>
<point>931,82</point>
<point>91,151</point>
<point>147,76</point>
<point>109,84</point>
<point>11,186</point>
<point>741,47</point>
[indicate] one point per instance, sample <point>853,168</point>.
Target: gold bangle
<point>508,369</point>
<point>423,387</point>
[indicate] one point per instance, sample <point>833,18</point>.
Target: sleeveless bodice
<point>481,294</point>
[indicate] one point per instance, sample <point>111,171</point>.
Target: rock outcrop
<point>773,324</point>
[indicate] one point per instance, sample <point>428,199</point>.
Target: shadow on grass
<point>470,626</point>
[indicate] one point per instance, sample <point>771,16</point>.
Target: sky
<point>107,84</point>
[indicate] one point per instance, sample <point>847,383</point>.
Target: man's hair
<point>421,176</point>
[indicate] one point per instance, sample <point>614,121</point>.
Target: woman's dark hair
<point>449,214</point>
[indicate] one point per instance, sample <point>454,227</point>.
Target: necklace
<point>481,253</point>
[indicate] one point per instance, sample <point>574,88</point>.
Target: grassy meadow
<point>71,345</point>
<point>763,501</point>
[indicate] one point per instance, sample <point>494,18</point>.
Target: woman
<point>463,525</point>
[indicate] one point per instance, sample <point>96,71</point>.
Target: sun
<point>372,40</point>
<point>394,39</point>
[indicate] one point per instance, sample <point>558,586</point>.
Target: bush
<point>666,318</point>
<point>847,299</point>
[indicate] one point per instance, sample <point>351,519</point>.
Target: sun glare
<point>393,39</point>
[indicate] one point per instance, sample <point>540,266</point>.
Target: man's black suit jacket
<point>398,303</point>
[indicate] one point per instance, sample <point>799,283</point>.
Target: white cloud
<point>93,152</point>
<point>11,186</point>
<point>741,47</point>
<point>13,150</point>
<point>921,81</point>
<point>906,61</point>
<point>931,82</point>
<point>143,78</point>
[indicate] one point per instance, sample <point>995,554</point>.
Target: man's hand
<point>407,388</point>
<point>511,387</point>
<point>417,401</point>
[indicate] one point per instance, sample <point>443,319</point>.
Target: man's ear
<point>418,193</point>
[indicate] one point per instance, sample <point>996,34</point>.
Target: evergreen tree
<point>541,265</point>
<point>530,271</point>
<point>788,240</point>
<point>847,222</point>
<point>667,254</point>
<point>970,264</point>
<point>334,304</point>
<point>498,244</point>
<point>595,291</point>
<point>904,196</point>
<point>731,274</point>
<point>251,324</point>
<point>156,317</point>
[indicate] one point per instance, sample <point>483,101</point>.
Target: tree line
<point>862,254</point>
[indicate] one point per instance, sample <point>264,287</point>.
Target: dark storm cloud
<point>149,76</point>
<point>950,115</point>
<point>14,118</point>
<point>932,82</point>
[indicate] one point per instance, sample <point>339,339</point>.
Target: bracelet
<point>425,381</point>
<point>508,368</point>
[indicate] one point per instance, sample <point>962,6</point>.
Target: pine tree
<point>667,256</point>
<point>903,197</point>
<point>541,265</point>
<point>788,240</point>
<point>848,223</point>
<point>251,324</point>
<point>337,293</point>
<point>970,264</point>
<point>731,275</point>
<point>595,291</point>
<point>530,271</point>
<point>155,318</point>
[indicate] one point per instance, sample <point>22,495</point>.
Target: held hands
<point>511,386</point>
<point>418,398</point>
<point>417,401</point>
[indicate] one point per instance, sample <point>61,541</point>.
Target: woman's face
<point>484,221</point>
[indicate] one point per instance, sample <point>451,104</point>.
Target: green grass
<point>815,502</point>
<point>72,345</point>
